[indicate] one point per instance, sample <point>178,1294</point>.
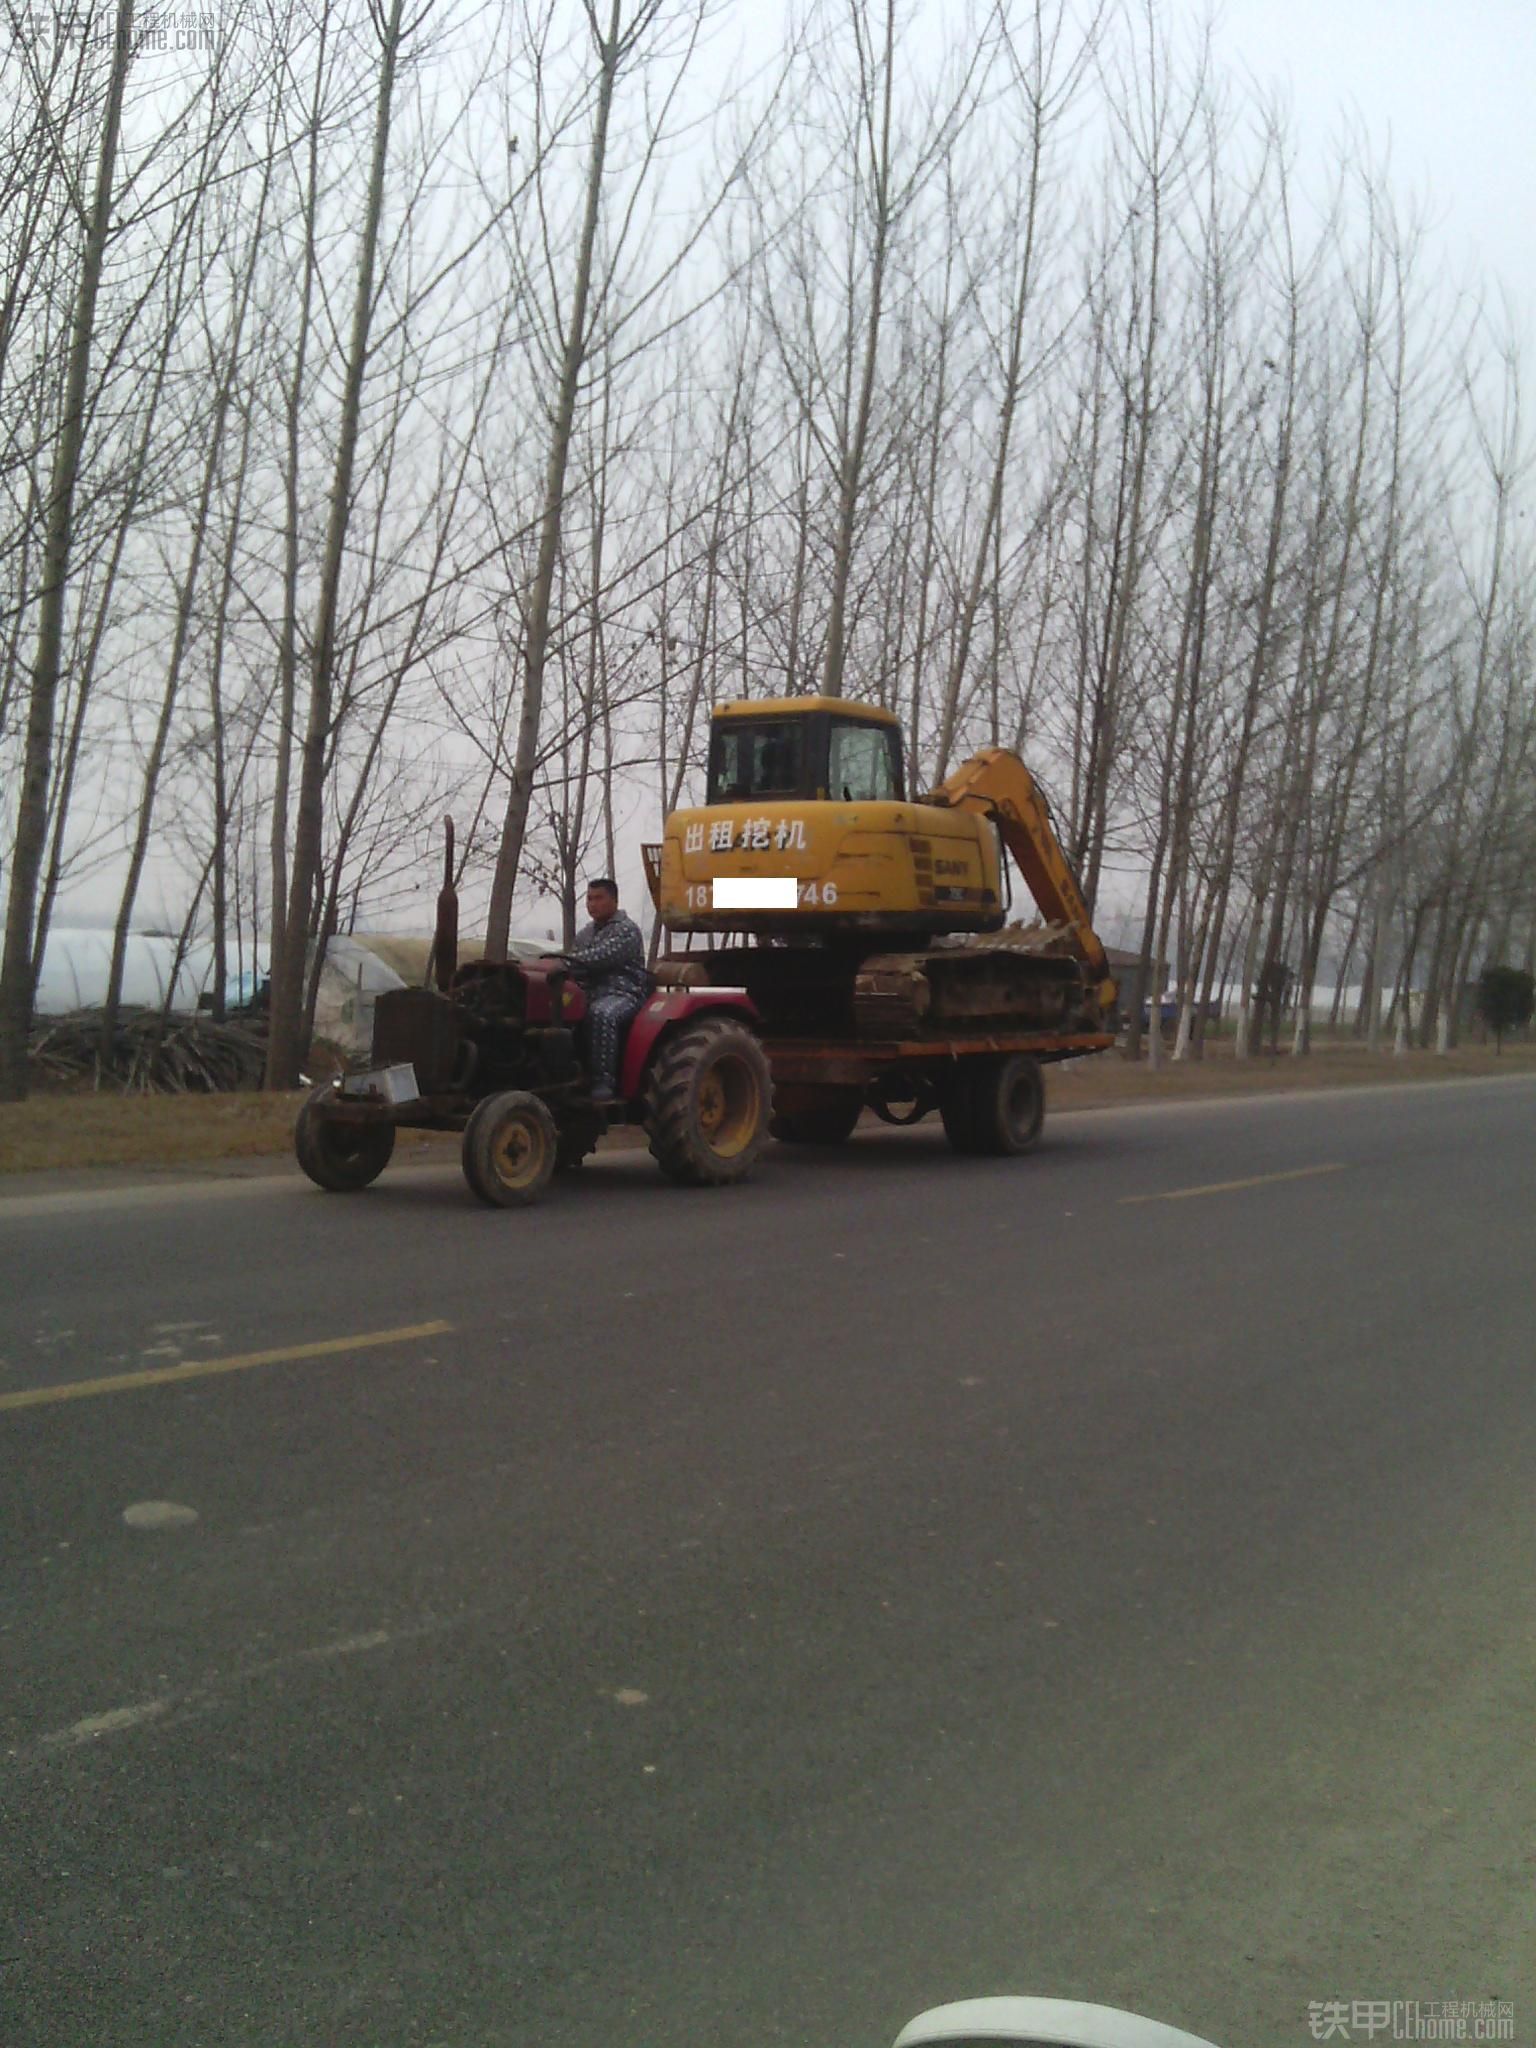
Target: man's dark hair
<point>604,882</point>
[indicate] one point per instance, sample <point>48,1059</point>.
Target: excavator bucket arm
<point>999,786</point>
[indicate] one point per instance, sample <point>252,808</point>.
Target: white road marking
<point>204,1698</point>
<point>349,1646</point>
<point>111,1723</point>
<point>158,1514</point>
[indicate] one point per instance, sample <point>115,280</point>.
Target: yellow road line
<point>1226,1187</point>
<point>205,1368</point>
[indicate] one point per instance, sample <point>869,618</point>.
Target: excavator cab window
<point>756,757</point>
<point>863,763</point>
<point>814,754</point>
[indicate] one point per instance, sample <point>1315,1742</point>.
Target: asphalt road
<point>753,1617</point>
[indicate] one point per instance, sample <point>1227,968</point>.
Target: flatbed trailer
<point>798,1061</point>
<point>987,1089</point>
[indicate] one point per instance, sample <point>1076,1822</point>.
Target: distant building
<point>1126,967</point>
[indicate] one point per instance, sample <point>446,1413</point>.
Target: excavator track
<point>1005,983</point>
<point>1013,982</point>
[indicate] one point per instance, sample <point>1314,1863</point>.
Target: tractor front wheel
<point>339,1155</point>
<point>707,1103</point>
<point>510,1149</point>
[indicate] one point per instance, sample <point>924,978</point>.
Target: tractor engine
<point>501,1024</point>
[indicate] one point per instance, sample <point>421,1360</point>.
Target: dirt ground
<point>75,1132</point>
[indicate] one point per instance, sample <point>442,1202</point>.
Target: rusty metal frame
<point>850,1065</point>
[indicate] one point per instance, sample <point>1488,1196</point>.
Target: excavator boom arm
<point>997,784</point>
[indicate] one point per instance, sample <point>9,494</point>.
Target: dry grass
<point>70,1132</point>
<point>142,1130</point>
<point>1108,1079</point>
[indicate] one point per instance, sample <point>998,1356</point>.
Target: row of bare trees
<point>439,406</point>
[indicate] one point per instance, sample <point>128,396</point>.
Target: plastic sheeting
<point>352,980</point>
<point>76,965</point>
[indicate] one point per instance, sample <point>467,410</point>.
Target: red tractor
<point>498,1051</point>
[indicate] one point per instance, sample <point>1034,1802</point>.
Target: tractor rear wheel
<point>816,1116</point>
<point>998,1106</point>
<point>707,1100</point>
<point>339,1155</point>
<point>510,1148</point>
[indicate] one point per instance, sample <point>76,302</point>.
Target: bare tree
<point>1044,79</point>
<point>17,973</point>
<point>225,368</point>
<point>613,48</point>
<point>392,28</point>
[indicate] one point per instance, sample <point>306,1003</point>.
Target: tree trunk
<point>537,628</point>
<point>851,471</point>
<point>17,972</point>
<point>221,798</point>
<point>288,630</point>
<point>991,525</point>
<point>284,1050</point>
<point>179,638</point>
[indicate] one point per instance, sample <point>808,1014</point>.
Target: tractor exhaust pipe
<point>445,941</point>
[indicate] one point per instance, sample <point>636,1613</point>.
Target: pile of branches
<point>150,1053</point>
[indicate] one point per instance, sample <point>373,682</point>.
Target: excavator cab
<point>822,755</point>
<point>807,829</point>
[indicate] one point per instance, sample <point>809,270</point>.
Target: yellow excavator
<point>871,927</point>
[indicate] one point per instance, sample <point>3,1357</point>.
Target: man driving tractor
<point>609,958</point>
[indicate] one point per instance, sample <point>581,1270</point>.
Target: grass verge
<point>1102,1082</point>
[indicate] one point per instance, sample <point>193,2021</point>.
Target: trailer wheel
<point>510,1146</point>
<point>707,1100</point>
<point>1006,1107</point>
<point>956,1108</point>
<point>337,1154</point>
<point>816,1116</point>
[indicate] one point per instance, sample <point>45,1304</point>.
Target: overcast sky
<point>1450,84</point>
